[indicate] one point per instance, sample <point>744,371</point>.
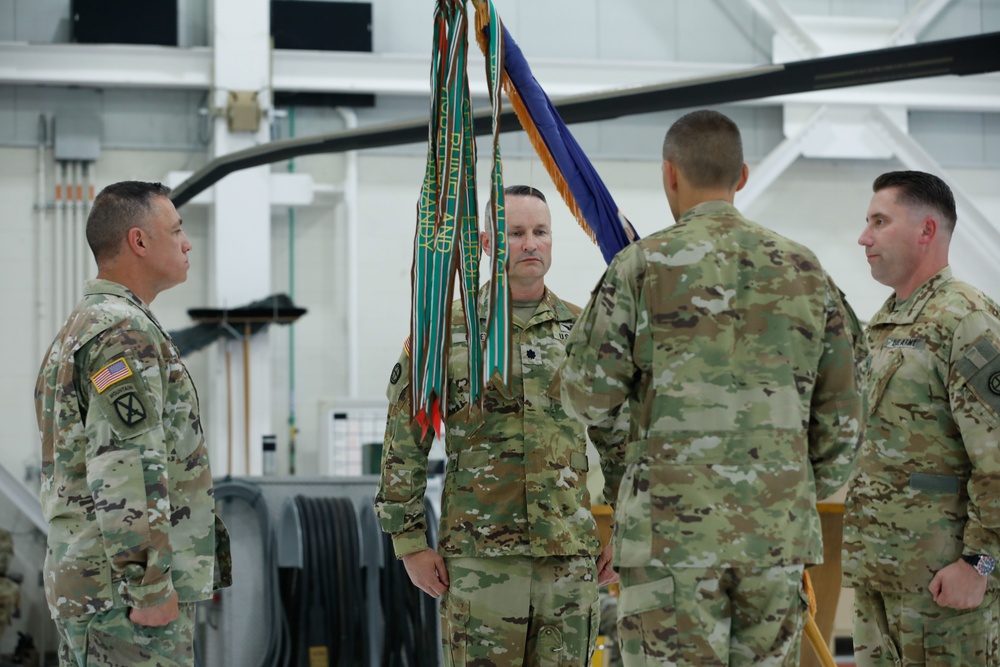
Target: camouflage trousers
<point>110,639</point>
<point>911,630</point>
<point>707,617</point>
<point>518,610</point>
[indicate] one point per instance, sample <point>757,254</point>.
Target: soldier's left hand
<point>958,586</point>
<point>157,616</point>
<point>605,573</point>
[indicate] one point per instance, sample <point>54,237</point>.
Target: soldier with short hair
<point>733,350</point>
<point>134,541</point>
<point>515,560</point>
<point>922,521</point>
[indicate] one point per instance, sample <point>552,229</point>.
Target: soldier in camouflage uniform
<point>922,523</point>
<point>515,559</point>
<point>732,349</point>
<point>134,541</point>
<point>10,593</point>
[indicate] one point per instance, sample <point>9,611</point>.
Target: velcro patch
<point>130,409</point>
<point>912,343</point>
<point>981,367</point>
<point>114,372</point>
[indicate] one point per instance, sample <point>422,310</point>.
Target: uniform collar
<point>709,208</point>
<point>111,288</point>
<point>550,308</point>
<point>907,312</point>
<point>560,312</point>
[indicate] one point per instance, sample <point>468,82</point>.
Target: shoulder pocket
<point>980,367</point>
<point>120,392</point>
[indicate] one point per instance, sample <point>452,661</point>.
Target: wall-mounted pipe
<point>353,281</point>
<point>59,245</point>
<point>293,428</point>
<point>42,305</point>
<point>73,237</point>
<point>87,262</point>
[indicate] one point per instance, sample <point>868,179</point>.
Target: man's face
<point>891,239</point>
<point>529,238</point>
<point>168,246</point>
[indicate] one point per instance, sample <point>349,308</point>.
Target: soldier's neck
<point>532,291</point>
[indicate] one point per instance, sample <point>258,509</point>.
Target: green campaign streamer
<point>447,235</point>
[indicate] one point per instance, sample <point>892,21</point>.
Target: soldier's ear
<point>485,242</point>
<point>137,241</point>
<point>928,229</point>
<point>744,175</point>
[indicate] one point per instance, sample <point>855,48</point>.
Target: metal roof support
<point>777,162</point>
<point>916,21</point>
<point>788,27</point>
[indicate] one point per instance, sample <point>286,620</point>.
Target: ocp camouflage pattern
<point>732,349</point>
<point>927,485</point>
<point>10,592</point>
<point>520,610</point>
<point>516,481</point>
<point>125,484</point>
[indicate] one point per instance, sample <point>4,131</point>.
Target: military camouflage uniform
<point>733,350</point>
<point>126,486</point>
<point>10,593</point>
<point>516,527</point>
<point>927,487</point>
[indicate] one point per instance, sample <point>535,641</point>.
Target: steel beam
<point>916,21</point>
<point>150,67</point>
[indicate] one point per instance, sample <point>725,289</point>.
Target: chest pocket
<point>884,364</point>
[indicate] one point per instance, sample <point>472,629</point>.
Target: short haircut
<point>917,188</point>
<point>524,191</point>
<point>707,148</point>
<point>118,208</point>
<point>515,191</point>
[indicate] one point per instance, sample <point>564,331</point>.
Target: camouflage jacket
<point>516,481</point>
<point>733,350</point>
<point>126,486</point>
<point>927,486</point>
<point>10,594</point>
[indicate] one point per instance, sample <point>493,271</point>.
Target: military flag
<point>571,171</point>
<point>447,236</point>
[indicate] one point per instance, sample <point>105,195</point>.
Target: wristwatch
<point>983,564</point>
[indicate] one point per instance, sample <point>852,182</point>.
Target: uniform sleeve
<point>610,444</point>
<point>399,502</point>
<point>974,393</point>
<point>836,425</point>
<point>599,370</point>
<point>125,380</point>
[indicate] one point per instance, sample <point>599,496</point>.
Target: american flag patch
<point>116,371</point>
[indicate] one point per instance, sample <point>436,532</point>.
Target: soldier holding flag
<point>518,558</point>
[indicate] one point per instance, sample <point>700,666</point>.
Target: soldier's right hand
<point>427,572</point>
<point>156,616</point>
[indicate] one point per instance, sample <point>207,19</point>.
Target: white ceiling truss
<point>856,129</point>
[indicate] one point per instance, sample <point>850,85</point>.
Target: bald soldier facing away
<point>134,541</point>
<point>732,348</point>
<point>515,560</point>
